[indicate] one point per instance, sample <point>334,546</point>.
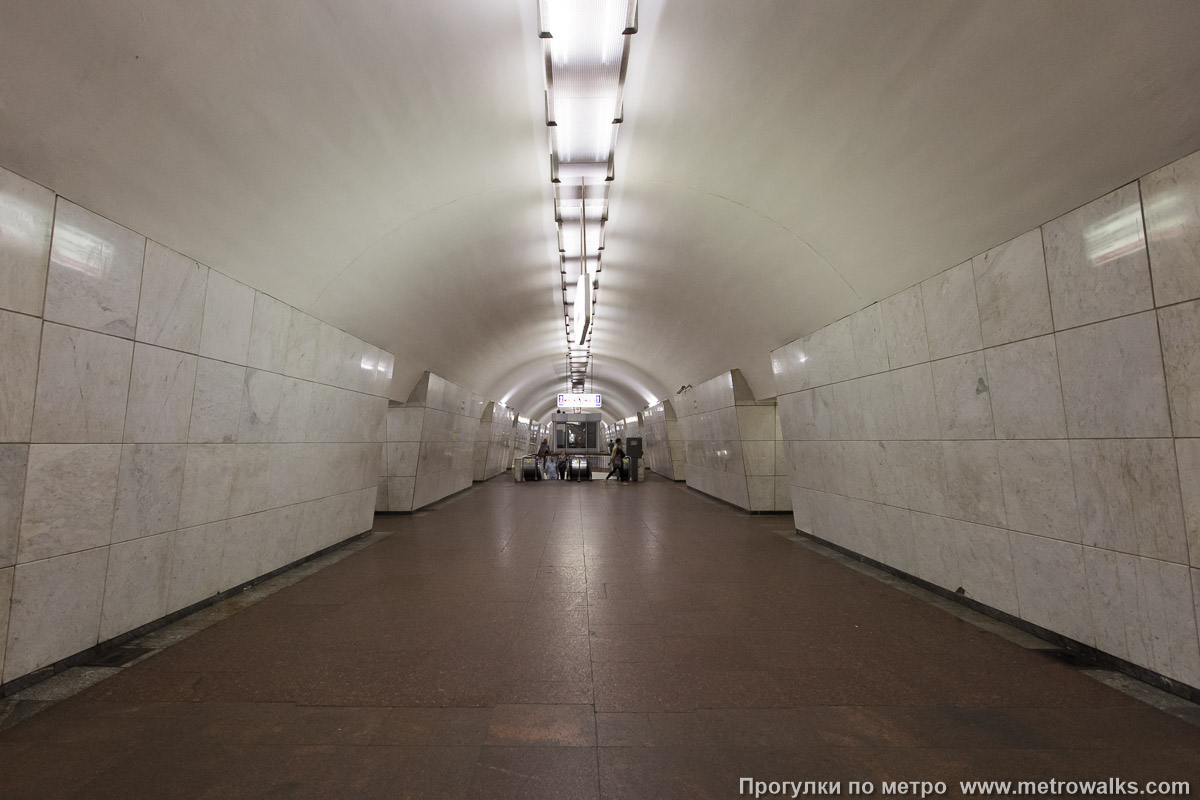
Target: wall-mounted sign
<point>579,401</point>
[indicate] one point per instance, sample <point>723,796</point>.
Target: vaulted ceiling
<point>384,164</point>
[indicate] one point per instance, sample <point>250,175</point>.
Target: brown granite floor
<point>559,640</point>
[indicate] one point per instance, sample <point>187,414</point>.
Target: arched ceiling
<point>384,165</point>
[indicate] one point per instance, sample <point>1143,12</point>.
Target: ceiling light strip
<point>586,49</point>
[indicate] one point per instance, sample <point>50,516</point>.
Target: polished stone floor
<point>557,640</point>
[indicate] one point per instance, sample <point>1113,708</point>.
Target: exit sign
<point>579,401</point>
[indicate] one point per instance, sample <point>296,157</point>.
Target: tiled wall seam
<point>1058,475</point>
<point>112,514</point>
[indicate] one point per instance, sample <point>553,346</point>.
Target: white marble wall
<point>523,443</point>
<point>1026,425</point>
<point>663,441</point>
<point>430,443</point>
<point>166,432</point>
<point>494,441</point>
<point>733,444</point>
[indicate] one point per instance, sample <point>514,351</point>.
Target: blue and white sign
<point>579,401</point>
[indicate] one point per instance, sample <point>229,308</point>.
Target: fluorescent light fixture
<point>586,56</point>
<point>583,308</point>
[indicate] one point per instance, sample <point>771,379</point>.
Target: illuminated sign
<point>579,401</point>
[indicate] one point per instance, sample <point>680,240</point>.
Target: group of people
<point>554,465</point>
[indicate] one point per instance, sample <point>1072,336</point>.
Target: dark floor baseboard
<point>95,651</point>
<point>734,506</point>
<point>1081,651</point>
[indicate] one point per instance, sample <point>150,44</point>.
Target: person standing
<point>544,453</point>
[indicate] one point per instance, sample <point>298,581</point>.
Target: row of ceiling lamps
<point>586,54</point>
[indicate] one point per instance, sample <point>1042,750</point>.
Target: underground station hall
<point>599,399</point>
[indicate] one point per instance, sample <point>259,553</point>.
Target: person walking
<point>616,456</point>
<point>544,454</point>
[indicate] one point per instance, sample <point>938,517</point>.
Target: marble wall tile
<point>56,606</point>
<point>294,402</point>
<point>839,351</point>
<point>14,459</point>
<point>217,403</point>
<point>870,344</point>
<point>904,328</point>
<point>898,547</point>
<point>20,342</point>
<point>261,398</point>
<point>294,477</point>
<point>756,422</point>
<point>963,397</point>
<point>1171,205</point>
<point>1112,379</point>
<point>280,534</point>
<point>303,331</point>
<point>269,331</point>
<point>759,458</point>
<point>760,491</point>
<point>783,494</point>
<point>160,395</point>
<point>1179,328</point>
<point>887,473</point>
<point>878,407</point>
<point>855,472</point>
<point>381,496</point>
<point>195,570</point>
<point>26,217</point>
<point>986,566</point>
<point>386,367</point>
<point>324,410</point>
<point>251,490</point>
<point>937,551</point>
<point>789,365</point>
<point>171,311</point>
<point>973,489</point>
<point>404,424</point>
<point>801,509</point>
<point>1026,393</point>
<point>136,583</point>
<point>365,381</point>
<point>207,482</point>
<point>1150,612</point>
<point>916,411</point>
<point>95,272</point>
<point>1051,581</point>
<point>951,312</point>
<point>70,491</point>
<point>1014,299</point>
<point>83,385</point>
<point>1187,452</point>
<point>330,342</point>
<point>796,415</point>
<point>240,550</point>
<point>1039,490</point>
<point>228,314</point>
<point>148,490</point>
<point>847,410</point>
<point>1112,594</point>
<point>816,354</point>
<point>1096,260</point>
<point>1129,497</point>
<point>924,467</point>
